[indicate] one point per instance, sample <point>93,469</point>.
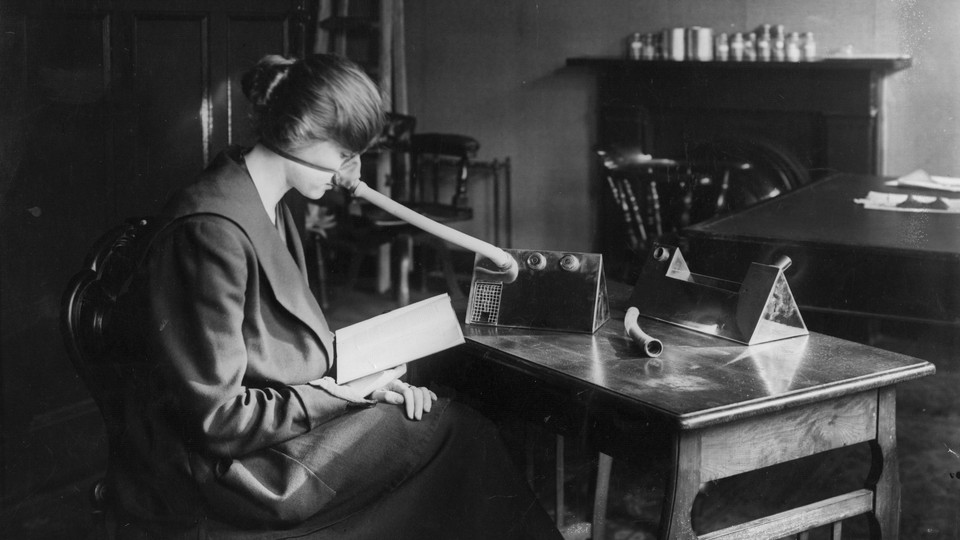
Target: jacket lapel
<point>226,189</point>
<point>295,245</point>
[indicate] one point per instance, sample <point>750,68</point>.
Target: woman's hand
<point>418,400</point>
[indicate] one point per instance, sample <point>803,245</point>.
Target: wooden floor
<point>928,426</point>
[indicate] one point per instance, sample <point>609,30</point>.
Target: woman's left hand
<point>418,400</point>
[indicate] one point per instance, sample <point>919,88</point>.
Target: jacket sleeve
<point>199,281</point>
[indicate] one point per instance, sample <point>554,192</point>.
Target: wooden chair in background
<point>658,197</point>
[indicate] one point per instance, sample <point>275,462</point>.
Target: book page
<point>375,381</point>
<point>396,337</point>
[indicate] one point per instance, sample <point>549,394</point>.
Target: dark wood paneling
<point>108,106</point>
<point>248,40</point>
<point>173,114</point>
<point>56,188</point>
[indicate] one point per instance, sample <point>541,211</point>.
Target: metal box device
<point>758,310</point>
<point>554,290</point>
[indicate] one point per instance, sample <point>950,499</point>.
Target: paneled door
<point>105,107</point>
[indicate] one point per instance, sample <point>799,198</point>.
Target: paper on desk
<point>920,179</point>
<point>902,202</point>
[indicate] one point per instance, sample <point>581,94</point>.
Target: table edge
<point>734,412</point>
<point>798,398</point>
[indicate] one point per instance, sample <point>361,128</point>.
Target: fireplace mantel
<point>828,113</point>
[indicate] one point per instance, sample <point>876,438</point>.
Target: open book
<point>396,337</point>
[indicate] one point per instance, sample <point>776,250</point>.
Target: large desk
<point>846,259</point>
<point>719,408</point>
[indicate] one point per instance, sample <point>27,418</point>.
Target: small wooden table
<point>723,408</point>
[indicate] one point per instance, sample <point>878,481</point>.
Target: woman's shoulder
<point>203,237</point>
<point>206,228</point>
<point>224,188</point>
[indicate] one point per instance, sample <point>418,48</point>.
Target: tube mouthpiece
<point>340,181</point>
<point>651,346</point>
<point>506,271</point>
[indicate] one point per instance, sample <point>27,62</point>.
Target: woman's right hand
<point>418,400</point>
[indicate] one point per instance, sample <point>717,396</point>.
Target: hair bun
<point>259,83</point>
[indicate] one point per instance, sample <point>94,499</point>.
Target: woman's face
<point>327,158</point>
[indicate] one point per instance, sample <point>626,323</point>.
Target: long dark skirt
<point>462,486</point>
<point>447,476</point>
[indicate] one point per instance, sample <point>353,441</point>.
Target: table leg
<point>560,479</point>
<point>601,495</point>
<point>884,478</point>
<point>683,485</point>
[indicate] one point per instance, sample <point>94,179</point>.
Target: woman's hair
<point>322,97</point>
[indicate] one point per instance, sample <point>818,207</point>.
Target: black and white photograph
<point>480,270</point>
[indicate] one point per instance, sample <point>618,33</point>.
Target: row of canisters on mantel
<point>768,43</point>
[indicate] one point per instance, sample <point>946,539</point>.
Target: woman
<point>233,425</point>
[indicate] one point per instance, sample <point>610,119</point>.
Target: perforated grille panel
<point>486,302</point>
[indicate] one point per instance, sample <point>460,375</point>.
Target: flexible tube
<point>652,347</point>
<point>501,258</point>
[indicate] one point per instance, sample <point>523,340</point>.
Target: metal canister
<point>673,44</point>
<point>704,48</point>
<point>690,44</point>
<point>699,43</point>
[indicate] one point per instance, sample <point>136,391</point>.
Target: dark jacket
<point>226,339</point>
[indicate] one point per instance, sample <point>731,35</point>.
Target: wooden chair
<point>658,197</point>
<point>437,188</point>
<point>421,166</point>
<point>362,230</point>
<point>88,327</point>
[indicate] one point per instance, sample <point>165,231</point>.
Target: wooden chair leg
<point>449,271</point>
<point>530,449</point>
<point>353,271</point>
<point>600,496</point>
<point>559,479</point>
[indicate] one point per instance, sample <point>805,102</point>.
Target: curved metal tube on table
<point>508,268</point>
<point>651,346</point>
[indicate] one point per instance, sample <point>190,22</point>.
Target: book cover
<point>396,337</point>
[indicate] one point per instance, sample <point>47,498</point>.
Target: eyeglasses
<point>305,163</point>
